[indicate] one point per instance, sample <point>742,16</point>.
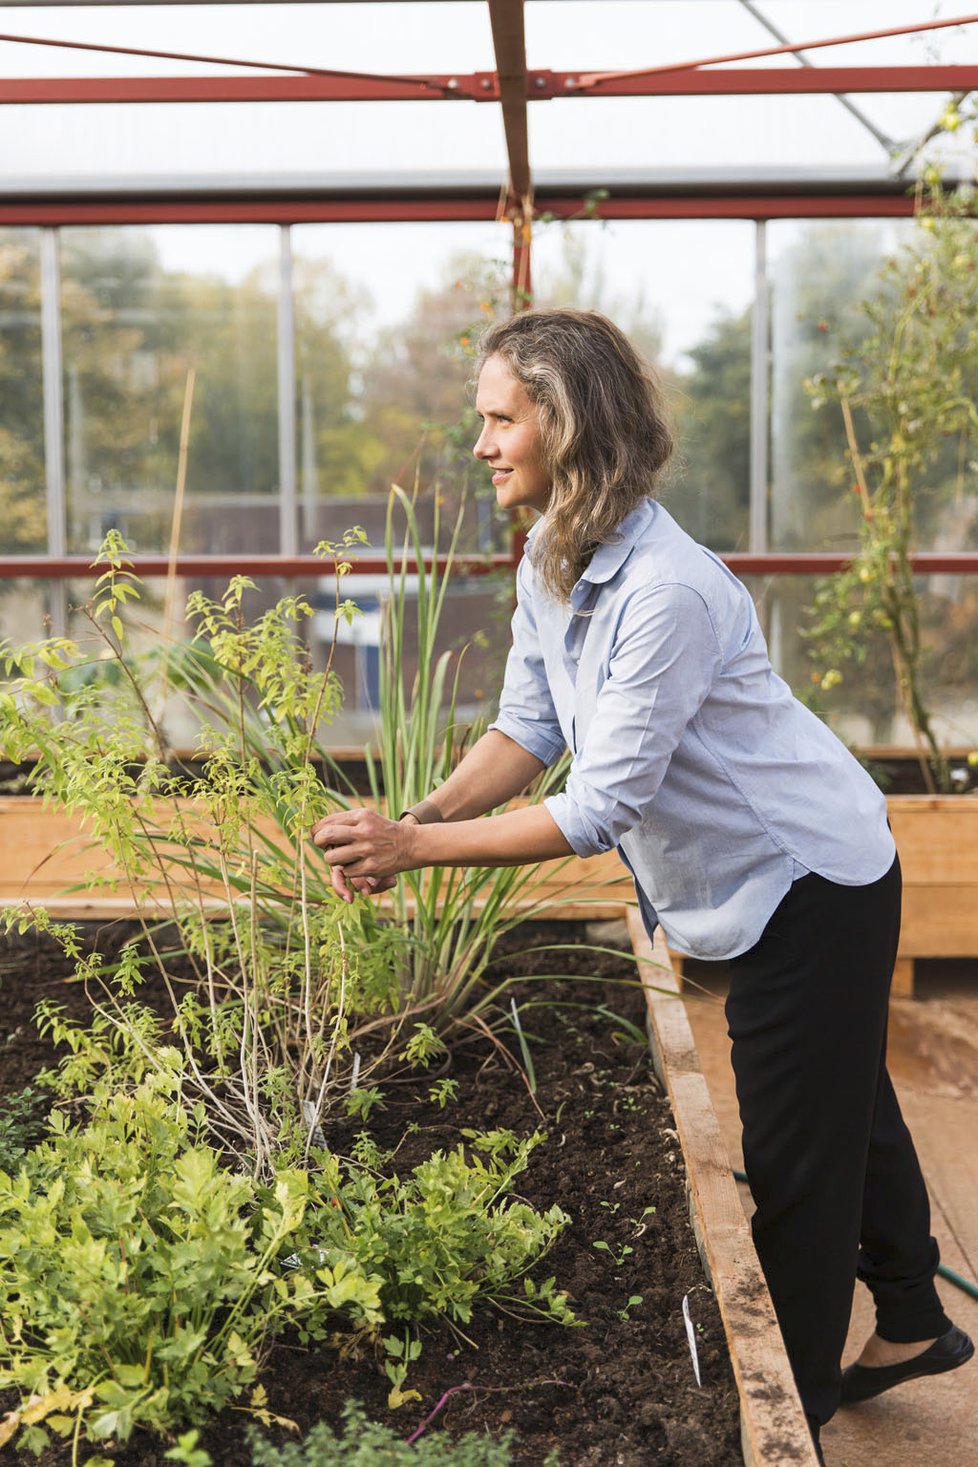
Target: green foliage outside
<point>710,498</point>
<point>371,408</point>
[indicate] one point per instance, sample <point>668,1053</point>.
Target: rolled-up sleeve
<point>526,707</point>
<point>664,659</point>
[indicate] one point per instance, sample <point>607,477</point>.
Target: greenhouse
<point>342,1124</point>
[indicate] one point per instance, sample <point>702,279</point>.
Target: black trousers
<point>831,1164</point>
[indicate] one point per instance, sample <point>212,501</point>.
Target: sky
<point>683,270</point>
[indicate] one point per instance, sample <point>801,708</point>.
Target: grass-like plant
<point>454,916</point>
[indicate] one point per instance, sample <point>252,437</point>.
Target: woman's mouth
<point>501,475</point>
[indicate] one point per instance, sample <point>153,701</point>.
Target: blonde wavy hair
<point>605,429</point>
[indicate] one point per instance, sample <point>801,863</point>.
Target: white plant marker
<point>691,1337</point>
<point>315,1130</point>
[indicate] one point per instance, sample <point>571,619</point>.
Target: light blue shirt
<point>690,754</point>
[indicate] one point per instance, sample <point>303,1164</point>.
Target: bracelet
<point>424,812</point>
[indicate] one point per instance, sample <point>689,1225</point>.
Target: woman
<point>751,832</point>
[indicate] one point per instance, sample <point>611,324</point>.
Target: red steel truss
<point>484,86</point>
<point>511,87</point>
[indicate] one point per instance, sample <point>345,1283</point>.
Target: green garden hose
<point>942,1271</point>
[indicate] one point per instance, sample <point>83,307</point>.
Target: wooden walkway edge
<point>774,1432</point>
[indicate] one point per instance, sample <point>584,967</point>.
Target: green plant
<point>617,1254</point>
<point>21,1124</point>
<point>908,398</point>
<point>364,1443</point>
<point>188,1453</point>
<point>361,1101</point>
<point>139,1276</point>
<point>438,1241</point>
<point>442,1091</point>
<point>634,1300</point>
<point>285,979</point>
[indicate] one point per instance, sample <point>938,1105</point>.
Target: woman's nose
<point>481,447</point>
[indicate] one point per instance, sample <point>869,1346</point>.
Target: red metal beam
<point>80,567</point>
<point>509,45</point>
<point>733,206</point>
<point>477,87</point>
<point>47,567</point>
<point>791,47</point>
<point>28,212</point>
<point>925,563</point>
<point>482,86</point>
<point>772,81</point>
<point>248,211</point>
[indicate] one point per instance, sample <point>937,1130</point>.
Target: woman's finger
<point>340,884</point>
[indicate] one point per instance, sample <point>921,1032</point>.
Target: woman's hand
<point>365,851</point>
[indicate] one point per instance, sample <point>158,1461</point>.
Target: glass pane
<point>134,328</point>
<point>658,279</point>
<point>474,622</point>
<point>854,293</point>
<point>133,141</point>
<point>23,509</point>
<point>819,273</point>
<point>865,707</point>
<point>474,629</point>
<point>24,607</point>
<point>387,317</point>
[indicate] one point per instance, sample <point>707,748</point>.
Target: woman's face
<point>510,441</point>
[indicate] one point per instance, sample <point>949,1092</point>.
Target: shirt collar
<point>608,559</point>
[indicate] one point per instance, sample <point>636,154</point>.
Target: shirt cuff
<point>582,835</point>
<point>531,737</point>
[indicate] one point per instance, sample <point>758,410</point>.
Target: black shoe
<point>861,1382</point>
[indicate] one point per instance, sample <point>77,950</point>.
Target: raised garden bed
<point>620,1390</point>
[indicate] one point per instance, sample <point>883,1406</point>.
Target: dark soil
<point>619,1392</point>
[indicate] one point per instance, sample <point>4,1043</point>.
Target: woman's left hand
<point>365,850</point>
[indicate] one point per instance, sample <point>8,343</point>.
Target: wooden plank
<point>509,44</point>
<point>46,851</point>
<point>773,1426</point>
<point>937,837</point>
<point>939,922</point>
<point>902,985</point>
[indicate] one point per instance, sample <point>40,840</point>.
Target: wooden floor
<point>934,1064</point>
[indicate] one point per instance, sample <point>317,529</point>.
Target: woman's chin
<point>508,500</point>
